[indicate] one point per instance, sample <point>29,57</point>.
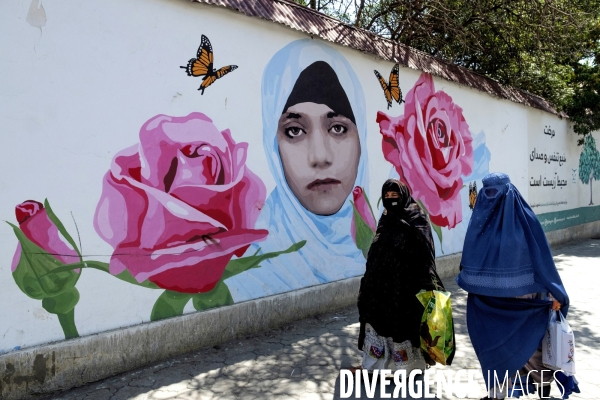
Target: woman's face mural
<point>319,151</point>
<point>318,141</point>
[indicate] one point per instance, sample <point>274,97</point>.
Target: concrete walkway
<point>303,360</point>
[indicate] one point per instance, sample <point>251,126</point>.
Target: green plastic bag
<point>437,326</point>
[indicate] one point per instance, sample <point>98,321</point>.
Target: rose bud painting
<point>363,225</point>
<point>39,266</point>
<point>37,227</point>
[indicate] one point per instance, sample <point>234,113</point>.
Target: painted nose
<point>319,151</point>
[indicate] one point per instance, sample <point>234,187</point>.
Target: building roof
<point>307,20</point>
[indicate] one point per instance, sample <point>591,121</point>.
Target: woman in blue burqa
<point>508,271</point>
<point>314,135</point>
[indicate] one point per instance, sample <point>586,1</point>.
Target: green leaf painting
<point>104,267</point>
<point>32,273</point>
<point>171,304</point>
<point>364,234</point>
<point>42,277</point>
<point>61,227</point>
<point>240,265</point>
<point>437,229</point>
<point>63,306</point>
<point>219,296</point>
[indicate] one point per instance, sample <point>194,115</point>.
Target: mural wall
<point>139,186</point>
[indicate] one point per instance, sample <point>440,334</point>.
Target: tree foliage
<point>550,48</point>
<point>584,107</point>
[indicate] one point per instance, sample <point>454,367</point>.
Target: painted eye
<point>294,131</point>
<point>338,129</point>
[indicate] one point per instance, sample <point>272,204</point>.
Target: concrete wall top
<point>307,20</point>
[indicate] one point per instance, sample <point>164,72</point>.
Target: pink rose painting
<point>177,207</point>
<point>430,146</point>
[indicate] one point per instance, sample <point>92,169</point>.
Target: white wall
<point>77,90</point>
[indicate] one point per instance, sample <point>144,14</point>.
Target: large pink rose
<point>430,147</point>
<point>180,204</point>
<point>37,226</point>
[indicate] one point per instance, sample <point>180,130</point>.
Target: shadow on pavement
<point>290,362</point>
<point>303,359</point>
<point>568,256</point>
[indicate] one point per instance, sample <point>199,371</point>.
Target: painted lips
<point>322,184</point>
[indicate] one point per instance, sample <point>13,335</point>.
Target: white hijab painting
<point>314,134</point>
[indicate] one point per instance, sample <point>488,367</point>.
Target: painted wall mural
<point>314,134</point>
<point>431,149</point>
<point>44,249</point>
<point>548,170</point>
<point>363,225</point>
<point>391,88</point>
<point>202,65</point>
<point>178,214</point>
<point>472,194</point>
<point>176,208</point>
<point>185,215</point>
<point>589,164</point>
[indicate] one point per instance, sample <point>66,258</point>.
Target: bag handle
<point>554,316</point>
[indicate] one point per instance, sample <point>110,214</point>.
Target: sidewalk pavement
<point>303,360</point>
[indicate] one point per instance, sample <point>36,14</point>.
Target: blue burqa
<point>506,254</point>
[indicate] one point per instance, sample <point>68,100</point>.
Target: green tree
<point>547,47</point>
<point>589,163</point>
<point>584,109</point>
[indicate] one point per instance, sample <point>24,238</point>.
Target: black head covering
<point>395,205</point>
<point>401,262</point>
<point>404,207</point>
<point>319,84</point>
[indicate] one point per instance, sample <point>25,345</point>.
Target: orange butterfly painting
<point>472,195</point>
<point>202,65</point>
<point>391,90</point>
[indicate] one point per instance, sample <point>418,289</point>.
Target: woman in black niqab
<point>400,263</point>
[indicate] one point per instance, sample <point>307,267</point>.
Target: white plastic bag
<point>558,345</point>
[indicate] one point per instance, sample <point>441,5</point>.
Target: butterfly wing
<point>206,82</point>
<point>385,87</point>
<point>472,200</point>
<point>205,51</point>
<point>472,195</point>
<point>225,70</point>
<point>203,64</point>
<point>395,91</point>
<point>188,67</point>
<point>212,77</point>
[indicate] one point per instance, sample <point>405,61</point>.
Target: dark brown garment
<point>400,263</point>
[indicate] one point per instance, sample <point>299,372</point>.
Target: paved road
<point>303,360</point>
